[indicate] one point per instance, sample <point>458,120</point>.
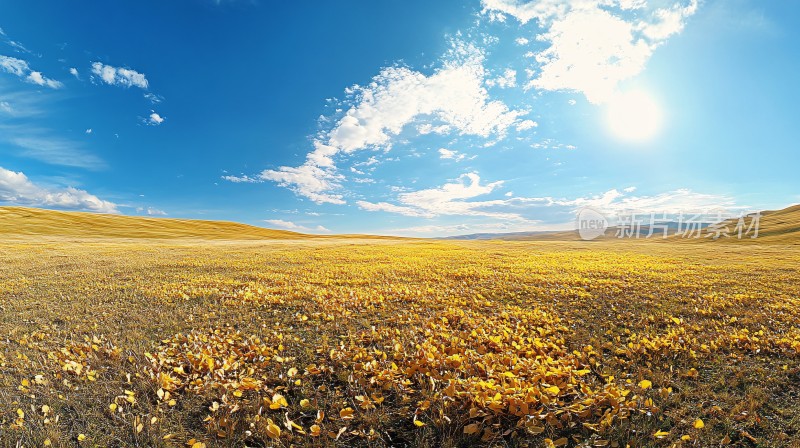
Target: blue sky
<point>399,117</point>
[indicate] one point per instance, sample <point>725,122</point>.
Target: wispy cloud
<point>153,98</point>
<point>21,69</point>
<point>16,188</point>
<point>452,99</point>
<point>451,199</point>
<point>118,76</point>
<point>16,46</point>
<point>289,225</point>
<point>451,154</point>
<point>56,151</point>
<point>518,213</point>
<point>150,211</point>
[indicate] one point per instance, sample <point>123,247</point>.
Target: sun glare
<point>634,116</point>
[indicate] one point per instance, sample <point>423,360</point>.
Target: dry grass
<point>23,222</point>
<point>490,343</point>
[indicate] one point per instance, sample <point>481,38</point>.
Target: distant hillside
<point>20,221</point>
<point>778,227</point>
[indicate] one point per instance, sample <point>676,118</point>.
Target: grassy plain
<point>359,342</point>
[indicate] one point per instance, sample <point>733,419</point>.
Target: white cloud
<point>393,208</point>
<point>445,153</point>
<point>307,180</point>
<point>6,107</point>
<point>594,44</point>
<point>522,41</point>
<point>591,52</point>
<point>453,95</point>
<point>524,12</point>
<point>155,119</point>
<point>16,188</point>
<point>21,68</point>
<point>89,131</point>
<point>525,125</point>
<point>549,143</point>
<point>57,151</point>
<point>117,76</point>
<point>38,79</point>
<point>451,199</point>
<point>427,128</point>
<point>153,98</point>
<point>508,79</point>
<point>150,211</point>
<point>14,66</point>
<point>517,213</point>
<point>242,179</point>
<point>668,21</point>
<point>614,202</point>
<point>74,72</point>
<point>452,99</point>
<point>288,225</point>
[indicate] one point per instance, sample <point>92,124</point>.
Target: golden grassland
<point>122,331</point>
<point>24,222</point>
<point>348,342</point>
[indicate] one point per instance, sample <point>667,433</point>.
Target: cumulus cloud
<point>16,188</point>
<point>593,44</point>
<point>451,99</point>
<point>453,95</point>
<point>155,119</point>
<point>21,69</point>
<point>74,72</point>
<point>117,76</point>
<point>288,225</point>
<point>307,180</point>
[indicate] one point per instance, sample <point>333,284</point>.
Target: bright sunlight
<point>634,116</point>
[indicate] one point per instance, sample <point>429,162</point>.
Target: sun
<point>634,116</point>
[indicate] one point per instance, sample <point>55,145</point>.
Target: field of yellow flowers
<point>350,342</point>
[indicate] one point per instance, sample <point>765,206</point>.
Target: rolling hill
<point>776,227</point>
<point>22,221</point>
